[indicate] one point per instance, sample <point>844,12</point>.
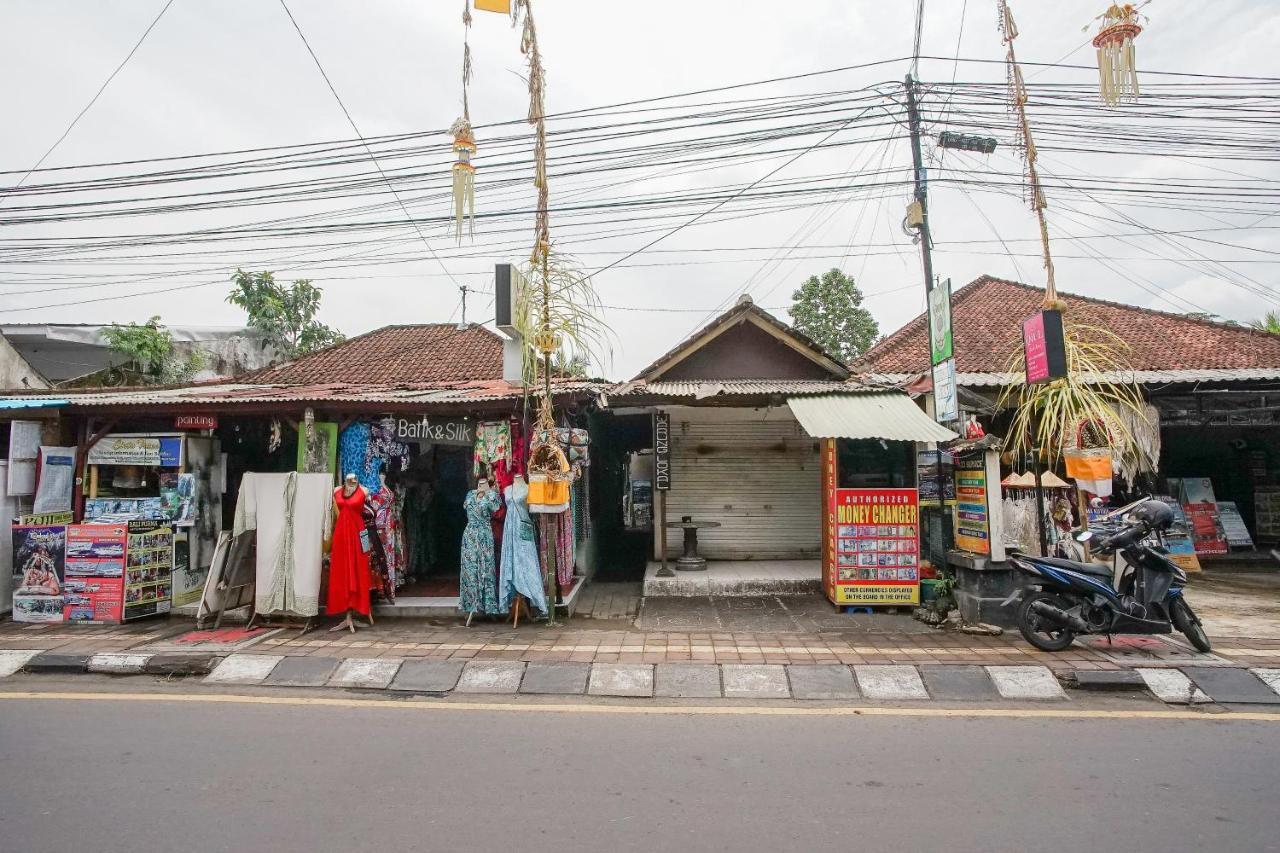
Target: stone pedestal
<point>982,587</point>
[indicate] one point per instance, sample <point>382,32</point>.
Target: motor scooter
<point>1144,594</point>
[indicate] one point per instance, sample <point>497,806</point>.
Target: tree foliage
<point>284,314</point>
<point>829,310</point>
<point>1268,322</point>
<point>152,357</point>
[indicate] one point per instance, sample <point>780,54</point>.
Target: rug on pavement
<point>212,640</point>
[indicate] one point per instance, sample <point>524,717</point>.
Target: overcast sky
<point>234,74</point>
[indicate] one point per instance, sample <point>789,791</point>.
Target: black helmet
<point>1156,515</point>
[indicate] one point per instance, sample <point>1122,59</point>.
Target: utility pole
<point>919,212</point>
<point>921,185</point>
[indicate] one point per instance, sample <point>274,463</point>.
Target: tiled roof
<point>404,356</point>
<point>986,321</point>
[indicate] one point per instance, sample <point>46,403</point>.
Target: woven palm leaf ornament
<point>1117,70</point>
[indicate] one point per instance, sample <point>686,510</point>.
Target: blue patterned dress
<point>520,570</point>
<point>477,592</point>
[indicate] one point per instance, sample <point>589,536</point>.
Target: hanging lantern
<point>464,177</point>
<point>1117,73</point>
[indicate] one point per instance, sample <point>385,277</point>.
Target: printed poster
<point>57,479</point>
<point>164,451</point>
<point>972,516</point>
<point>1206,532</point>
<point>876,546</point>
<point>940,343</point>
<point>927,477</point>
<point>148,573</point>
<point>1233,526</point>
<point>1177,539</point>
<point>24,447</point>
<point>95,571</point>
<point>39,560</point>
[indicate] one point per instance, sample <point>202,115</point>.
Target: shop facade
<point>759,438</point>
<point>417,440</point>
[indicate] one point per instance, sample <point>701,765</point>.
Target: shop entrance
<point>434,487</point>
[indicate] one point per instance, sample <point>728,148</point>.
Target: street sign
<point>661,451</point>
<point>941,345</point>
<point>946,400</point>
<point>1044,346</point>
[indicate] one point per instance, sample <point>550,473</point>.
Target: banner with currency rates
<point>875,547</point>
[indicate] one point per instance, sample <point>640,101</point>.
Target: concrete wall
<point>15,372</point>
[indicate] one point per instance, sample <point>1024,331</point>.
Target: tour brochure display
<point>118,571</point>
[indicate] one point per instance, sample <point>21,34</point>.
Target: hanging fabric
<point>291,515</point>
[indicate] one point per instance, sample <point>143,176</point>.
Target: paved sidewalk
<point>579,643</point>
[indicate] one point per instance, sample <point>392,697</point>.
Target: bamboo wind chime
<point>464,144</point>
<point>1117,71</point>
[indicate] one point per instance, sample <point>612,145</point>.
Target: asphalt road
<point>144,776</point>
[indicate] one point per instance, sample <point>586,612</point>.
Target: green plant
<point>829,310</point>
<point>1268,322</point>
<point>152,357</point>
<point>284,314</point>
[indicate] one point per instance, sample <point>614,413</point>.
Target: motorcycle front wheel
<point>1184,619</point>
<point>1041,633</point>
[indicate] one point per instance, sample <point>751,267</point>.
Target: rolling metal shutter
<point>755,472</point>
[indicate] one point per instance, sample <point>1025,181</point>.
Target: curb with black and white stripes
<point>876,682</point>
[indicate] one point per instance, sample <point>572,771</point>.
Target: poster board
<point>1177,539</point>
<point>978,514</point>
<point>156,450</point>
<point>1206,532</point>
<point>148,576</point>
<point>1233,526</point>
<point>873,548</point>
<point>927,477</point>
<point>320,456</point>
<point>24,448</point>
<point>95,571</point>
<point>56,482</point>
<point>1266,513</point>
<point>39,567</point>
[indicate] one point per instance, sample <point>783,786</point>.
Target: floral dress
<point>477,592</point>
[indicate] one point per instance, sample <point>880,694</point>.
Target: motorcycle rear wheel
<point>1037,631</point>
<point>1184,619</point>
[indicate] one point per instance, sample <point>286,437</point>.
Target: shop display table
<point>689,561</point>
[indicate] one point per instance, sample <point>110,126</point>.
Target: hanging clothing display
<point>477,585</point>
<point>291,514</point>
<point>493,445</point>
<point>386,511</point>
<point>348,562</point>
<point>556,546</point>
<point>368,449</point>
<point>380,580</point>
<point>520,572</point>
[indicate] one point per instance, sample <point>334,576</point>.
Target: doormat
<point>213,640</point>
<point>1147,649</point>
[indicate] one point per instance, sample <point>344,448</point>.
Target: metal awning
<point>31,403</point>
<point>891,416</point>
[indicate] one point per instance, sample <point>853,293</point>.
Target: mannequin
<point>348,560</point>
<point>520,574</point>
<point>477,591</point>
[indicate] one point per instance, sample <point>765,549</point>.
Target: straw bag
<point>548,479</point>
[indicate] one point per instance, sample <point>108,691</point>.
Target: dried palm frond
<point>559,317</point>
<point>1051,415</point>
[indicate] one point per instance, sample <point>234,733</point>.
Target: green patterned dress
<point>477,584</point>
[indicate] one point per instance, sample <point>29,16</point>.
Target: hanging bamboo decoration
<point>1018,103</point>
<point>464,144</point>
<point>1117,72</point>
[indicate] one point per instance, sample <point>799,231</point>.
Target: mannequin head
<point>482,485</point>
<point>351,482</point>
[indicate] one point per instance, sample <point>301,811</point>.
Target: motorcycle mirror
<point>1084,536</point>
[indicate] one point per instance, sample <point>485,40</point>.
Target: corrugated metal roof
<point>1142,377</point>
<point>887,415</point>
<point>703,389</point>
<point>232,393</point>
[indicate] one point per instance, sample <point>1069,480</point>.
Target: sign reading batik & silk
<point>874,546</point>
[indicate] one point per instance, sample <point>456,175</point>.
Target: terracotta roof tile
<point>403,356</point>
<point>986,320</point>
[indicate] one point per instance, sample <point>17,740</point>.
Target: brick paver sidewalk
<point>581,641</point>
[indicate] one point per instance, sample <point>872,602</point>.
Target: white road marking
<point>13,660</point>
<point>1172,686</point>
<point>890,682</point>
<point>1026,682</point>
<point>243,669</point>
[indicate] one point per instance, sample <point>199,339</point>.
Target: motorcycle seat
<point>1072,566</point>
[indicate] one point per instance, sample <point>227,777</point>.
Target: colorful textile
<point>380,580</point>
<point>556,546</point>
<point>366,448</point>
<point>493,445</point>
<point>477,586</point>
<point>386,509</point>
<point>348,563</point>
<point>520,572</point>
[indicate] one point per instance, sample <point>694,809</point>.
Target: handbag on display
<point>548,479</point>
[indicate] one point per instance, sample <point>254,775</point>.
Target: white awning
<point>891,416</point>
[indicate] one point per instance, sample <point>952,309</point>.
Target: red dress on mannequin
<point>348,563</point>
